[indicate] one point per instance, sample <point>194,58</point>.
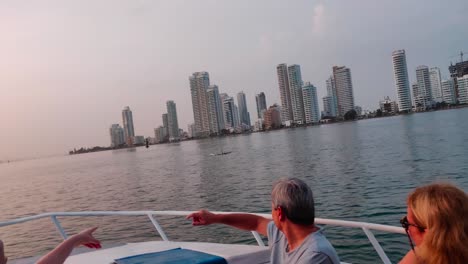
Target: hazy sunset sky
<point>68,68</point>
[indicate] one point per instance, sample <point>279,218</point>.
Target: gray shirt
<point>314,249</point>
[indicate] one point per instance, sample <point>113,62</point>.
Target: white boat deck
<point>233,254</point>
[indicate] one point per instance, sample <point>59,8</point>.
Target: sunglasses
<point>405,224</point>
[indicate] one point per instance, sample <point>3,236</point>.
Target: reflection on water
<point>358,171</point>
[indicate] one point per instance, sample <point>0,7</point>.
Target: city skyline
<point>72,83</point>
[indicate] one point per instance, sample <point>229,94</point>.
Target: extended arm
<point>63,250</point>
<point>242,221</point>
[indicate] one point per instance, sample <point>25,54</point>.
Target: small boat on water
<point>221,153</point>
<point>202,251</point>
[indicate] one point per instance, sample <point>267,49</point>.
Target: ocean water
<point>358,171</point>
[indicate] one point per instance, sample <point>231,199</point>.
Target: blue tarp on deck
<point>173,256</point>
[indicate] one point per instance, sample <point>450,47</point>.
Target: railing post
<point>258,238</point>
<point>158,227</point>
<point>59,227</point>
<point>376,246</point>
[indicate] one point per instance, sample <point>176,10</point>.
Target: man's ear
<point>281,215</point>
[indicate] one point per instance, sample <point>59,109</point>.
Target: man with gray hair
<point>292,235</point>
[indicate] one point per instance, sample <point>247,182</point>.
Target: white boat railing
<point>366,227</point>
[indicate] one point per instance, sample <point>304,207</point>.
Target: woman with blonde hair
<point>437,225</point>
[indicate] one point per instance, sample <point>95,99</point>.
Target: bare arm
<point>63,250</point>
<point>242,221</point>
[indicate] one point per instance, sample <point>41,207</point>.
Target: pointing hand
<point>202,217</point>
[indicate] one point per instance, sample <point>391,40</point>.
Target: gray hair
<point>295,198</point>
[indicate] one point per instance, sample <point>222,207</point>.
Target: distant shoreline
<point>99,149</point>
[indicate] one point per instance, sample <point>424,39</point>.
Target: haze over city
<point>68,68</point>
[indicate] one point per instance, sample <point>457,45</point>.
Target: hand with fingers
<point>60,253</point>
<point>202,217</point>
<point>86,239</point>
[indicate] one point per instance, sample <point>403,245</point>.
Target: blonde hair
<point>443,210</point>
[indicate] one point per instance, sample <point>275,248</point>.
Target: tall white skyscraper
<point>463,89</point>
<point>215,111</point>
<point>116,135</point>
<point>311,108</point>
<point>173,124</point>
<point>424,86</point>
<point>448,91</point>
<point>283,83</point>
<point>344,89</point>
<point>400,71</point>
<point>199,83</point>
<point>295,91</point>
<point>244,115</point>
<point>129,131</point>
<point>436,84</point>
<point>260,99</point>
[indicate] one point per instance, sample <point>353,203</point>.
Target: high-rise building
<point>448,91</point>
<point>199,83</point>
<point>418,98</point>
<point>310,102</point>
<point>231,112</point>
<point>173,124</point>
<point>400,71</point>
<point>165,126</point>
<point>295,91</point>
<point>331,92</point>
<point>244,114</point>
<point>344,89</point>
<point>129,131</point>
<point>235,116</point>
<point>160,134</point>
<point>283,83</point>
<point>228,104</point>
<point>330,107</point>
<point>458,71</point>
<point>215,111</point>
<point>436,85</point>
<point>261,104</point>
<point>463,89</point>
<point>116,135</point>
<point>424,86</point>
<point>272,118</point>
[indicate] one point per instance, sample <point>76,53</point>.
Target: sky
<point>68,68</point>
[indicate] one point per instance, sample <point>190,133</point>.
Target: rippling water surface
<point>358,171</point>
